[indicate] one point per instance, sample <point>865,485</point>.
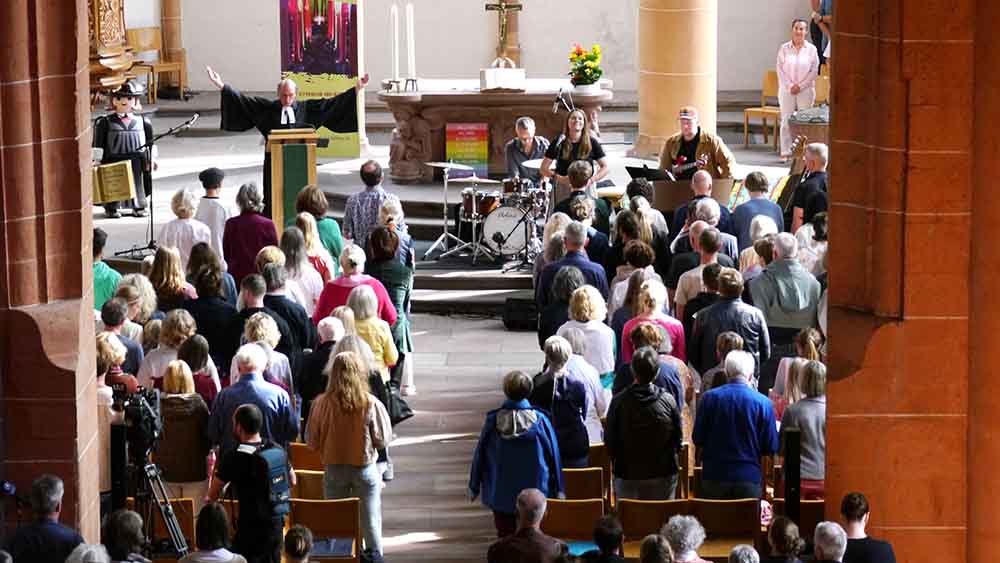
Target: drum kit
<point>505,216</point>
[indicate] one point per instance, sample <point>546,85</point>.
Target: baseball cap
<point>688,112</point>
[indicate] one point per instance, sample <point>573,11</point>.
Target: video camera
<point>141,414</point>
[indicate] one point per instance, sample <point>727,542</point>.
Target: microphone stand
<point>137,252</point>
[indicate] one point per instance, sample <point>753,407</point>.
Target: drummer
<point>526,146</point>
<point>576,143</point>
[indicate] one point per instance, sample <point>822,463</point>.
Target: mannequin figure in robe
<point>241,113</point>
<point>122,135</point>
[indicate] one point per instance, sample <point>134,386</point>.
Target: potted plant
<point>585,69</point>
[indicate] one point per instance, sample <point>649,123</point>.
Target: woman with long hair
<point>300,270</point>
<point>347,426</point>
<point>808,343</point>
<point>313,201</point>
<point>167,277</point>
<point>577,142</point>
<point>203,255</point>
<point>319,256</point>
<point>144,298</point>
<point>649,308</point>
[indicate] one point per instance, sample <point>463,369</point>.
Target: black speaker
<point>520,314</point>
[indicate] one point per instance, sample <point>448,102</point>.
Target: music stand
<point>442,240</point>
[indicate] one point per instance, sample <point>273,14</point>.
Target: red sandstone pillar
<point>900,424</point>
<point>47,391</point>
<point>984,314</point>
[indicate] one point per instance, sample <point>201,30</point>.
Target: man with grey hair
<point>734,427</point>
<point>45,540</point>
<point>685,534</point>
<point>830,542</point>
<point>788,295</point>
<point>709,211</point>
<point>575,239</point>
<point>744,553</point>
<point>281,421</point>
<point>525,146</point>
<point>241,113</point>
<point>813,182</point>
<point>701,187</point>
<point>528,544</point>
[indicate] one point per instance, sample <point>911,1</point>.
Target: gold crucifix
<point>502,7</point>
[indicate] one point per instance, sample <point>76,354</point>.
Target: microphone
<point>8,489</point>
<point>555,104</point>
<point>194,118</point>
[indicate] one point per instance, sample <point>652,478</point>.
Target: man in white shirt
<point>211,211</point>
<point>708,244</point>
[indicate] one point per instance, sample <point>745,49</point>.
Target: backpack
<point>569,410</point>
<point>270,471</point>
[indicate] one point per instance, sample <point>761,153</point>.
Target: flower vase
<point>587,89</point>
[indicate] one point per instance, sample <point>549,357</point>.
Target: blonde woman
<point>556,224</point>
<point>373,330</point>
<point>185,231</point>
<point>313,201</point>
<point>143,297</point>
<point>347,426</point>
<point>274,255</point>
<point>174,330</point>
<point>167,277</point>
<point>184,448</point>
<point>319,256</point>
<point>299,269</point>
<point>260,328</point>
<point>346,316</point>
<point>587,311</point>
<point>649,308</point>
<point>808,343</point>
<point>390,215</point>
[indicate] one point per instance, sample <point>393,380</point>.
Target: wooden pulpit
<point>668,196</point>
<point>293,167</point>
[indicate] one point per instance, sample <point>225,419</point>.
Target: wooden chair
<point>599,457</point>
<point>183,510</point>
<point>810,514</point>
<point>727,523</point>
<point>309,485</point>
<point>586,483</point>
<point>822,90</point>
<point>302,456</point>
<point>572,520</point>
<point>769,89</point>
<point>640,518</point>
<point>683,472</point>
<point>151,39</point>
<point>328,519</point>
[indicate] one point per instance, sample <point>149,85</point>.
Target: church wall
<point>142,13</point>
<point>455,38</point>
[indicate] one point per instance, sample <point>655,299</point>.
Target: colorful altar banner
<point>468,143</point>
<point>319,51</point>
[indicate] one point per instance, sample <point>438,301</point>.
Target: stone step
<point>468,302</point>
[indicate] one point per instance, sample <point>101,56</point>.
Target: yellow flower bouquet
<point>584,65</point>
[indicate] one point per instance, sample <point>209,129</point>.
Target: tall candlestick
<point>411,56</point>
<point>394,16</point>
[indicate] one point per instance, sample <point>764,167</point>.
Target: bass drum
<point>503,230</point>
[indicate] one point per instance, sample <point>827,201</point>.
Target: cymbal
<point>451,165</point>
<point>535,164</point>
<point>473,180</point>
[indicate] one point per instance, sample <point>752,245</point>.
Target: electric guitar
<point>681,165</point>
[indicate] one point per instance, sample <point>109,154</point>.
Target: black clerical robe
<point>241,113</point>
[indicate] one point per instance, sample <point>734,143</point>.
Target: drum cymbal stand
<point>442,241</point>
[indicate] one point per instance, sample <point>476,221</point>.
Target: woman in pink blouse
<point>335,292</point>
<point>649,309</point>
<point>798,65</point>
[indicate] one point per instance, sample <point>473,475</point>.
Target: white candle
<point>411,55</point>
<point>394,18</point>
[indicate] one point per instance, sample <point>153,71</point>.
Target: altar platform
<point>421,117</point>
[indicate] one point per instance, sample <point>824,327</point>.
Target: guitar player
<point>693,148</point>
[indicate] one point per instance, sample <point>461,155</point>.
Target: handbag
<point>396,406</point>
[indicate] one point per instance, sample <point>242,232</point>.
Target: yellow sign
<point>113,182</point>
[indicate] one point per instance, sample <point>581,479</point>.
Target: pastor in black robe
<point>241,113</point>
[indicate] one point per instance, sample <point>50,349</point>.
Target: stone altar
<point>421,117</point>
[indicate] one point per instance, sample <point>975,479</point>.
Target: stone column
<point>984,310</point>
<point>678,45</point>
<point>47,387</point>
<point>900,423</point>
<point>173,41</point>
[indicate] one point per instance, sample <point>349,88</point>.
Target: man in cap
<point>211,210</point>
<point>122,135</point>
<point>695,149</point>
